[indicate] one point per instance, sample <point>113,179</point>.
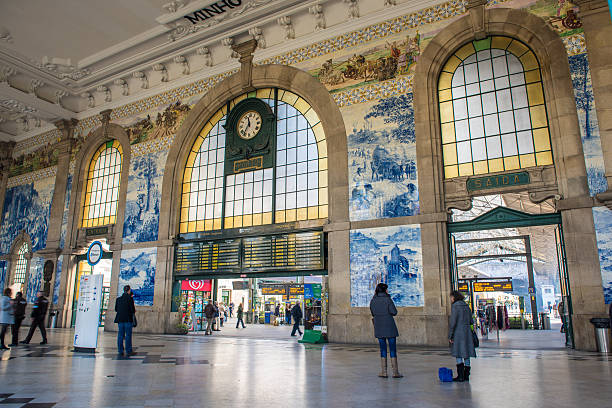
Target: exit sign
<point>497,181</point>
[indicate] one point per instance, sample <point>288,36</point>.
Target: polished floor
<point>230,371</point>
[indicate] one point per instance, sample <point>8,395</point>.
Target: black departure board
<point>194,258</point>
<point>290,252</point>
<point>274,253</point>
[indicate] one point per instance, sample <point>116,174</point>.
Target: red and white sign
<point>199,285</point>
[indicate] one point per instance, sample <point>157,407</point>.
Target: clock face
<point>249,125</point>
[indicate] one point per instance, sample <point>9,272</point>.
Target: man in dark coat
<point>124,306</point>
<point>460,335</point>
<point>209,312</point>
<point>39,312</point>
<point>239,314</point>
<point>20,310</point>
<point>296,312</point>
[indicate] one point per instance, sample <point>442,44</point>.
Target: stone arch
<point>569,179</point>
<point>106,132</point>
<point>292,79</point>
<point>563,120</point>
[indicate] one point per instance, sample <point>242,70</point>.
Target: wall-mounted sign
<point>92,232</point>
<point>94,253</point>
<point>197,285</point>
<point>463,287</point>
<point>498,181</point>
<point>213,10</point>
<point>493,286</point>
<point>273,289</point>
<point>296,289</point>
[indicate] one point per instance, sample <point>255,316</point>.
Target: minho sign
<point>213,10</point>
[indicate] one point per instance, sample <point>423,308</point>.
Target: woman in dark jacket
<point>383,309</point>
<point>460,335</point>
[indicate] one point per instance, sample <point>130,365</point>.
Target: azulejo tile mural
<point>3,273</point>
<point>382,159</point>
<point>589,127</point>
<point>143,197</point>
<point>137,269</point>
<point>26,208</point>
<point>65,214</point>
<point>35,278</point>
<point>58,278</point>
<point>602,217</point>
<point>391,255</point>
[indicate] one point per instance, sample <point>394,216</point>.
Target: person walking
<point>20,310</point>
<point>231,309</point>
<point>383,309</point>
<point>239,314</point>
<point>209,312</point>
<point>460,335</point>
<point>7,315</point>
<point>297,315</point>
<point>124,306</point>
<point>39,312</point>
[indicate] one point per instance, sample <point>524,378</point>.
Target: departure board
<point>493,286</point>
<point>287,252</point>
<point>274,253</point>
<point>194,258</point>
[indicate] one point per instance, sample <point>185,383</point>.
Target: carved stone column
<point>246,50</point>
<point>56,215</point>
<point>597,25</point>
<point>6,158</point>
<point>64,145</point>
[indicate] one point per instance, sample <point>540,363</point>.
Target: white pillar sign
<point>88,311</point>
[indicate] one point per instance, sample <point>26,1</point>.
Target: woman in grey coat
<point>7,315</point>
<point>383,309</point>
<point>460,335</point>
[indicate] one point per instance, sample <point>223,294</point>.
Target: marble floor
<point>202,371</point>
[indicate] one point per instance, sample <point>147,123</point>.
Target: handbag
<point>445,374</point>
<point>475,339</point>
<point>134,321</point>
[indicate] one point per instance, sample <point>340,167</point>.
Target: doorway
<point>511,266</point>
<point>266,303</point>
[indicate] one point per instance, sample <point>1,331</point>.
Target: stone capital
<point>246,50</point>
<point>589,7</point>
<point>66,128</point>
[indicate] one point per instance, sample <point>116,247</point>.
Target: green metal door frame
<point>503,217</point>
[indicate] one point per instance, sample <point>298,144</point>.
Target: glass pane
<point>525,142</point>
<point>461,130</point>
<point>519,97</point>
<point>506,122</point>
<point>479,151</point>
<point>476,128</point>
<point>491,124</point>
<point>464,154</point>
<point>509,144</point>
<point>494,149</point>
<point>474,106</point>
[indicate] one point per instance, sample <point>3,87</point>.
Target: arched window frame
<point>492,145</point>
<point>104,210</point>
<point>276,97</point>
<point>20,257</point>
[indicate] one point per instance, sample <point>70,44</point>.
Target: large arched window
<point>492,111</point>
<point>21,266</point>
<point>294,189</point>
<point>102,191</point>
